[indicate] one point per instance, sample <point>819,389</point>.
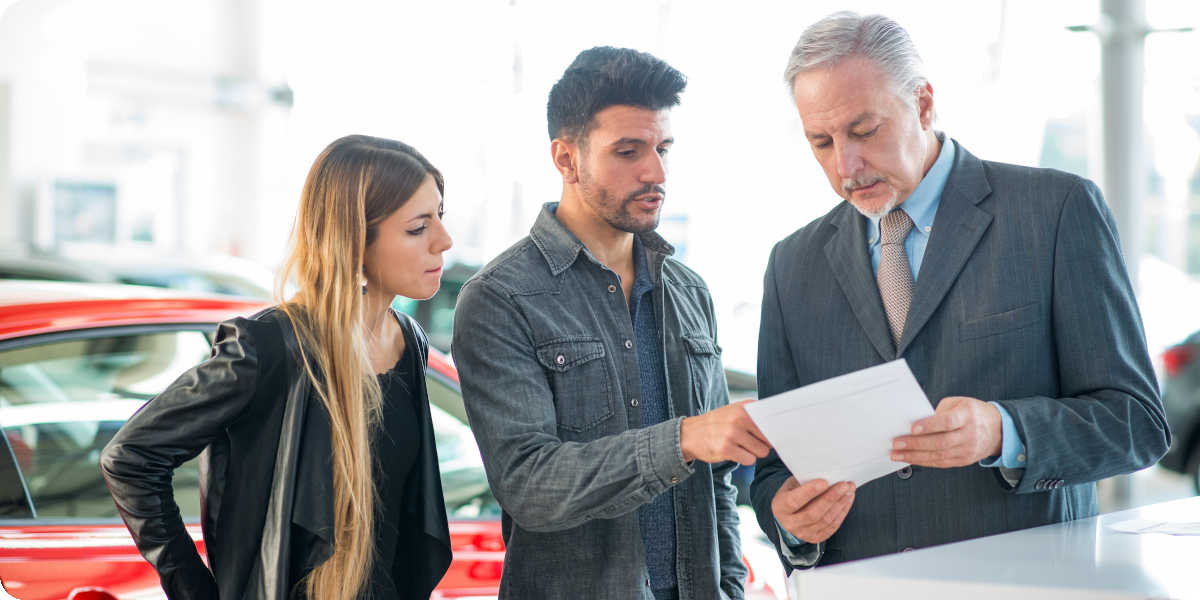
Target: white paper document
<point>1149,526</point>
<point>841,429</point>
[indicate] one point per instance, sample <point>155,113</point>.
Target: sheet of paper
<point>1149,526</point>
<point>841,429</point>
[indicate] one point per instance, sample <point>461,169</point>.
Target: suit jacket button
<point>1058,483</point>
<point>1040,485</point>
<point>907,549</point>
<point>905,472</point>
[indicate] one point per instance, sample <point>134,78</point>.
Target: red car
<point>76,360</point>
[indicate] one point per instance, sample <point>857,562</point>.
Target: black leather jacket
<point>266,482</point>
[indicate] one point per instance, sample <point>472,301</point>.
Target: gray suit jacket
<point>1022,299</point>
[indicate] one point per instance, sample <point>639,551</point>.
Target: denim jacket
<point>543,342</point>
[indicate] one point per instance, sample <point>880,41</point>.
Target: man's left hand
<point>962,431</point>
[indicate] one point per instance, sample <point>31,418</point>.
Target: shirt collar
<point>561,248</point>
<point>922,204</point>
<point>641,269</point>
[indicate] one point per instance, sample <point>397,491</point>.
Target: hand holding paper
<point>841,429</point>
<point>814,511</point>
<point>962,431</point>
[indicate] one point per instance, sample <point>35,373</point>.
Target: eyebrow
<point>428,215</point>
<point>855,123</point>
<point>629,140</point>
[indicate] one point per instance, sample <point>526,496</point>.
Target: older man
<point>1002,286</point>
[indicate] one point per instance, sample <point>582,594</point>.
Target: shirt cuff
<point>666,453</point>
<point>1012,448</point>
<point>797,552</point>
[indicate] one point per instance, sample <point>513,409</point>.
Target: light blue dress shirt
<point>921,207</point>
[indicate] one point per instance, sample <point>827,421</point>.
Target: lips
<point>434,271</point>
<point>648,200</point>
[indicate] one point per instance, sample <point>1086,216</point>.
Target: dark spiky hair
<point>604,76</point>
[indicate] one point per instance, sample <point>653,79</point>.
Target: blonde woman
<point>318,466</point>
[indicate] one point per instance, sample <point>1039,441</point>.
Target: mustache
<point>848,185</point>
<point>649,188</point>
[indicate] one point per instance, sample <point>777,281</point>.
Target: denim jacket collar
<point>561,248</point>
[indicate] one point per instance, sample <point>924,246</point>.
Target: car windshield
<point>63,400</point>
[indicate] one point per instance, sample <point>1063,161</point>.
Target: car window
<point>464,482</point>
<point>62,401</point>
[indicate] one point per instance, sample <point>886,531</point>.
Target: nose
<point>849,159</point>
<point>441,240</point>
<point>655,171</point>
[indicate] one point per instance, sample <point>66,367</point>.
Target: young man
<point>591,371</point>
<point>1003,288</point>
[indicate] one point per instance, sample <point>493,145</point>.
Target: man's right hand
<point>727,433</point>
<point>814,511</point>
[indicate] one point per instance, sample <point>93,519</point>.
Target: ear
<point>566,156</point>
<point>925,105</point>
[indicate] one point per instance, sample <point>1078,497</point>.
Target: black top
<point>395,448</point>
<point>394,445</point>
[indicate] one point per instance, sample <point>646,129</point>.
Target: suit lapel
<point>957,229</point>
<point>847,254</point>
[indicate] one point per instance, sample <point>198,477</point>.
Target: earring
<point>364,288</point>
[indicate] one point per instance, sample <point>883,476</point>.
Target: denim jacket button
<point>674,479</point>
<point>560,360</point>
<point>628,344</point>
<point>612,289</point>
<point>633,401</point>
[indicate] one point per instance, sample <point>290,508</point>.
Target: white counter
<point>1081,559</point>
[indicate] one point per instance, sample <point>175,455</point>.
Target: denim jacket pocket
<point>579,377</point>
<point>704,362</point>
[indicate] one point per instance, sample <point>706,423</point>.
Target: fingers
<point>742,457</point>
<point>930,442</point>
<point>947,419</point>
<point>834,518</point>
<point>813,511</point>
<point>941,450</point>
<point>940,460</point>
<point>752,444</point>
<point>799,496</point>
<point>744,421</point>
<point>957,434</point>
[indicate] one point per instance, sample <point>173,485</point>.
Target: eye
<point>630,153</point>
<point>869,133</point>
<point>823,143</point>
<point>663,150</point>
<point>418,231</point>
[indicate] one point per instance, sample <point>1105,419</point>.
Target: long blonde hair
<point>354,184</point>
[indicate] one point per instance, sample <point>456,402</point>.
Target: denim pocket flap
<point>701,344</point>
<point>563,354</point>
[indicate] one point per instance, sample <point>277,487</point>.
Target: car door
<point>62,397</point>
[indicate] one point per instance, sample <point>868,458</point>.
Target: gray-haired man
<point>1002,286</point>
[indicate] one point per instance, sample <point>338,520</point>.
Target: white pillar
<point>1122,50</point>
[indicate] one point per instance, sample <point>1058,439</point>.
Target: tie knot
<point>894,227</point>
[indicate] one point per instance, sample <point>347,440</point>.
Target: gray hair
<point>874,37</point>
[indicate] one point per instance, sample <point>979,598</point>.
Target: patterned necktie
<point>894,276</point>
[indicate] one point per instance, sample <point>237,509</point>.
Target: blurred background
<point>165,143</point>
